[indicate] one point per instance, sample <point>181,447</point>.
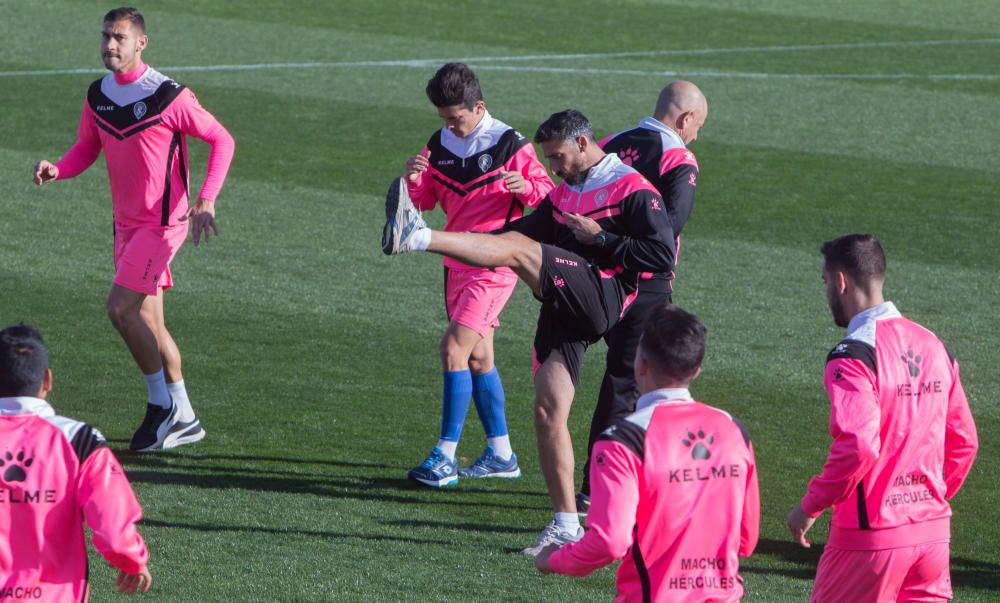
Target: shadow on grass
<point>965,573</point>
<point>970,573</point>
<point>470,527</point>
<point>359,488</point>
<point>160,458</point>
<point>155,523</point>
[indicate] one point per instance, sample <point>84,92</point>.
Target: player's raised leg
<point>405,231</point>
<point>186,428</point>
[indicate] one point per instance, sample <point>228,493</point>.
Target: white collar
<point>666,395</point>
<point>650,123</point>
<point>25,405</point>
<point>879,312</point>
<point>600,172</point>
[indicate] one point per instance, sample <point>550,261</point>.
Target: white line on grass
<point>425,63</point>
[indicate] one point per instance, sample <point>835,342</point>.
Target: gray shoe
<point>402,220</point>
<point>552,534</point>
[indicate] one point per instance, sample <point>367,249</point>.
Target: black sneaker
<point>582,504</point>
<point>154,428</point>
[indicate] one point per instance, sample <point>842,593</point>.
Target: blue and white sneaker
<point>490,465</point>
<point>437,471</point>
<point>402,220</point>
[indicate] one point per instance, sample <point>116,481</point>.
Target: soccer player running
<point>56,473</point>
<point>903,442</point>
<point>675,493</point>
<point>581,252</point>
<point>483,173</point>
<point>139,118</point>
<point>657,149</point>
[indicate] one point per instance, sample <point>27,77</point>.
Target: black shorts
<point>578,307</point>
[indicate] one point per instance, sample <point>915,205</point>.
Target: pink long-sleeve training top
<point>56,473</point>
<point>903,435</point>
<point>674,495</point>
<point>140,120</point>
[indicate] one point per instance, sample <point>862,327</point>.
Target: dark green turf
<point>312,358</point>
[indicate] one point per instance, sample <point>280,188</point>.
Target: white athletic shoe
<point>402,220</point>
<point>552,534</point>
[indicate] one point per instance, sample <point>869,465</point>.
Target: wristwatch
<point>600,239</point>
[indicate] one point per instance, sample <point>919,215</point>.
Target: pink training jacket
<point>464,177</point>
<point>140,121</point>
<point>674,494</point>
<point>54,474</point>
<point>903,436</point>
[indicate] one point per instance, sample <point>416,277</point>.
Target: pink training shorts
<point>143,254</point>
<point>906,574</point>
<point>474,297</point>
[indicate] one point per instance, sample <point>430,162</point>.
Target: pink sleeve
<point>111,510</point>
<point>422,191</point>
<point>750,521</point>
<point>854,424</point>
<point>537,180</point>
<point>188,116</point>
<point>614,479</point>
<point>960,439</point>
<point>84,153</point>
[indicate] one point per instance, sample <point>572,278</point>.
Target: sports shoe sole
<point>443,483</point>
<point>501,474</point>
<point>393,215</point>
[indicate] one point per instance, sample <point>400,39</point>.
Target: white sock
<point>448,448</point>
<point>184,411</point>
<point>421,239</point>
<point>501,446</point>
<point>569,522</point>
<point>157,386</point>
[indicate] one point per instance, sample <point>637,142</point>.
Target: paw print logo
<point>601,458</point>
<point>15,467</point>
<point>838,374</point>
<point>558,281</point>
<point>698,444</point>
<point>911,362</point>
<point>629,156</point>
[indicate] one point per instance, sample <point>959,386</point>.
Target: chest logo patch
<point>601,197</point>
<point>485,161</point>
<point>139,109</point>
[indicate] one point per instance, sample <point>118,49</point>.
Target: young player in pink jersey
<point>483,174</point>
<point>903,443</point>
<point>56,473</point>
<point>139,119</point>
<point>674,484</point>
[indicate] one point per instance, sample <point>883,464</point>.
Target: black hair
<point>23,361</point>
<point>859,255</point>
<point>673,341</point>
<point>454,84</point>
<point>126,13</point>
<point>565,125</point>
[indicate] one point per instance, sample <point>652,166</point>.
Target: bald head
<point>682,106</point>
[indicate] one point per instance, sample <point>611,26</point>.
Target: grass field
<point>312,358</point>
